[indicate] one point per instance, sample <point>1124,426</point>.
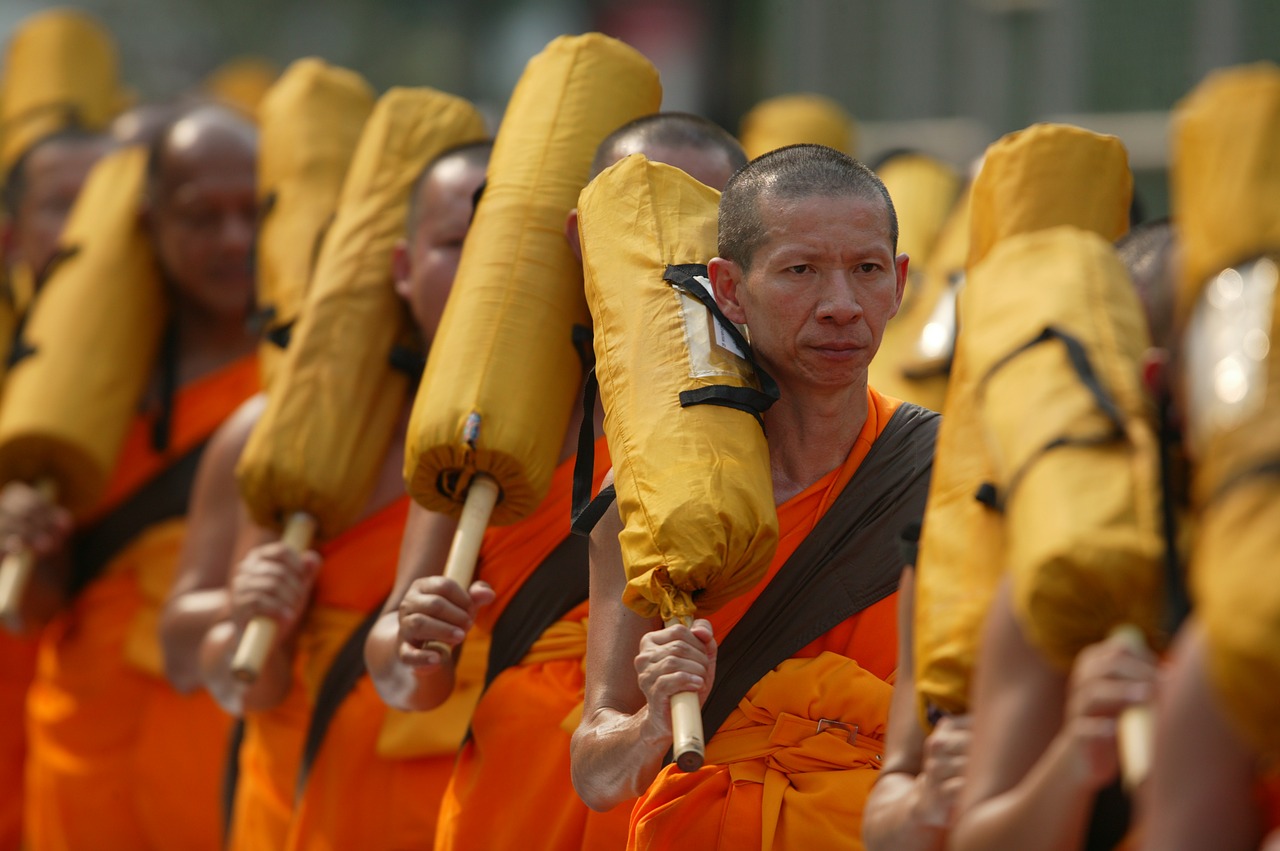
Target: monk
<point>38,193</point>
<point>808,260</point>
<point>1044,761</point>
<point>319,599</point>
<point>518,748</point>
<point>118,759</point>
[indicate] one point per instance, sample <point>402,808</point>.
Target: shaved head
<point>703,149</point>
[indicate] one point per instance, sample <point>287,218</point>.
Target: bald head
<point>1146,251</point>
<point>202,209</point>
<point>701,148</point>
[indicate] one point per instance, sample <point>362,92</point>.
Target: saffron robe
<point>118,760</point>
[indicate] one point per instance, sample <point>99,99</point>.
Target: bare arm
<point>423,607</point>
<point>1043,743</point>
<point>216,522</point>
<point>1194,742</point>
<point>911,806</point>
<point>634,665</point>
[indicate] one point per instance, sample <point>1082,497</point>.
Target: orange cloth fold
<point>773,778</point>
<point>358,569</point>
<point>118,759</point>
<point>17,668</point>
<point>518,752</point>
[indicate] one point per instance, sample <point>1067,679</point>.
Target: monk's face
<point>52,176</point>
<point>819,289</point>
<point>445,204</point>
<point>203,217</point>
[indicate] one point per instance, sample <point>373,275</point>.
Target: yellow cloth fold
<point>795,119</point>
<point>325,431</point>
<point>504,375</point>
<point>60,70</point>
<point>1049,175</point>
<point>1225,175</point>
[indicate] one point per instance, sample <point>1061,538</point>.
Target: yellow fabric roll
<point>95,330</point>
<point>503,374</point>
<point>1076,469</point>
<point>924,192</point>
<point>961,556</point>
<point>1225,176</point>
<point>798,118</point>
<point>242,83</point>
<point>694,486</point>
<point>310,124</point>
<point>324,433</point>
<point>60,70</point>
<point>1081,178</point>
<point>919,342</point>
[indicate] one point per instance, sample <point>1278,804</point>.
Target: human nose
<point>838,300</point>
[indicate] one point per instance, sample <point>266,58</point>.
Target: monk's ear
<point>400,269</point>
<point>900,264</point>
<point>726,284</point>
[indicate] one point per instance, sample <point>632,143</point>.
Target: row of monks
<point>372,480</point>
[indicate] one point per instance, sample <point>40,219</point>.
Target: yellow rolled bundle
<point>503,373</point>
<point>961,555</point>
<point>693,483</point>
<point>1081,178</point>
<point>966,545</point>
<point>310,123</point>
<point>693,480</point>
<point>243,83</point>
<point>60,70</point>
<point>95,332</point>
<point>1227,164</point>
<point>794,119</point>
<point>324,433</point>
<point>1059,336</point>
<point>924,193</point>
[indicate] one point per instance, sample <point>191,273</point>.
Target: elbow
<point>592,789</point>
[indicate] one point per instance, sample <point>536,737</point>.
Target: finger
<point>437,608</point>
<point>419,657</point>
<point>419,629</point>
<point>482,593</point>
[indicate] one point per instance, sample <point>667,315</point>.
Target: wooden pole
<point>460,565</point>
<point>1136,728</point>
<point>260,634</point>
<point>17,567</point>
<point>687,745</point>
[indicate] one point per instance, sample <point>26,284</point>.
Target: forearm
<point>186,621</point>
<point>270,687</point>
<point>615,756</point>
<point>401,686</point>
<point>1049,810</point>
<point>893,820</point>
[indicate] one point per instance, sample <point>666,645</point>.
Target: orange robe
<point>17,668</point>
<point>357,572</point>
<point>118,759</point>
<point>518,753</point>
<point>377,779</point>
<point>772,780</point>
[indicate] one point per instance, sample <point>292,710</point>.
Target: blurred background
<point>944,76</point>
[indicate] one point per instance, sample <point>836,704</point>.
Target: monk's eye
<point>799,269</point>
<point>868,268</point>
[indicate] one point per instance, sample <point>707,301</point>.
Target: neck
<point>811,434</point>
<point>207,342</point>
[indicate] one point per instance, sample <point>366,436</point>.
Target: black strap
<point>1177,598</point>
<point>162,428</point>
<point>909,544</point>
<point>988,493</point>
<point>688,279</point>
<point>231,778</point>
<point>165,497</point>
<point>848,562</point>
<point>339,681</point>
<point>558,584</point>
<point>408,362</point>
<point>585,512</point>
<point>1109,818</point>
